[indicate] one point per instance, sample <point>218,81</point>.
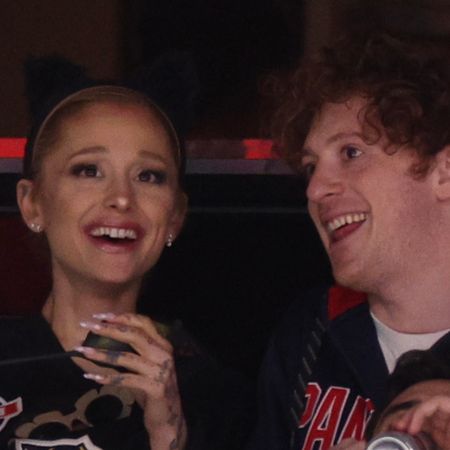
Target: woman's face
<point>107,195</point>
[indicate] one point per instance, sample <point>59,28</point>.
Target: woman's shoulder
<point>23,335</point>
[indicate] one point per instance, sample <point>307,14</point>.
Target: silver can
<point>396,440</point>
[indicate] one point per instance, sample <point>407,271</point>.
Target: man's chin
<point>351,279</point>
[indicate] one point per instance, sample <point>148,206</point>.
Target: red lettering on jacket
<point>326,420</point>
<point>358,418</point>
<point>312,395</point>
<point>324,414</point>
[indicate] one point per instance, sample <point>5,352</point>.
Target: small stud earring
<point>169,241</point>
<point>35,227</point>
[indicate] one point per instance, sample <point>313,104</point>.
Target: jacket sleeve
<point>278,376</point>
<point>272,429</point>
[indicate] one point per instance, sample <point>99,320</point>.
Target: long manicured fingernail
<point>93,376</point>
<point>90,325</point>
<point>84,350</point>
<point>104,316</point>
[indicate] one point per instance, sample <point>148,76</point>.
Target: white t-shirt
<point>393,343</point>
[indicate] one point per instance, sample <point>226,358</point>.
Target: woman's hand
<point>150,373</point>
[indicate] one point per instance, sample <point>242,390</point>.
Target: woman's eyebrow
<point>151,155</point>
<point>88,150</point>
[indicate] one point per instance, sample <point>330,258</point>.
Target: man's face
<point>371,214</point>
<point>410,398</point>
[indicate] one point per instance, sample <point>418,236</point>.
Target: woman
<point>102,183</point>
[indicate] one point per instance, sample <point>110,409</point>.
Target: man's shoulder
<point>302,315</point>
<point>316,309</point>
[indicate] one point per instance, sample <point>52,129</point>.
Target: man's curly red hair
<point>406,84</point>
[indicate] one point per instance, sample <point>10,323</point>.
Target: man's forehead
<point>335,120</point>
<point>423,390</point>
<point>415,395</point>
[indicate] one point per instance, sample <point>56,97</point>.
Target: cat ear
<point>172,82</point>
<point>49,77</point>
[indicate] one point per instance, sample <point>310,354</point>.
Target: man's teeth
<point>115,233</point>
<point>345,220</point>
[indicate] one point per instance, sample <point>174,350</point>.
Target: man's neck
<point>414,306</point>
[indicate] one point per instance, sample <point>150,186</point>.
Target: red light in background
<point>259,149</point>
<point>12,147</point>
<point>254,148</point>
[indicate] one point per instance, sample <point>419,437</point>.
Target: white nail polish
<point>90,325</point>
<point>93,376</point>
<point>104,316</point>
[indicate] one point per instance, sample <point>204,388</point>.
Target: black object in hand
<point>106,343</point>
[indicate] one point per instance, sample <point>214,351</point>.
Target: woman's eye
<point>86,170</point>
<point>152,176</point>
<point>351,152</point>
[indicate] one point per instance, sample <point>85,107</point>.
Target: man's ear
<point>26,199</point>
<point>441,173</point>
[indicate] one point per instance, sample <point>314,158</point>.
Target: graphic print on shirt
<point>83,443</point>
<point>8,410</point>
<point>111,400</point>
<point>324,421</point>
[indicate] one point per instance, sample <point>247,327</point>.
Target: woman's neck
<point>68,304</point>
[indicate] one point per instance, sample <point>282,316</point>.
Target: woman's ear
<point>26,199</point>
<point>441,172</point>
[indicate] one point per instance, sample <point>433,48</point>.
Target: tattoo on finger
<point>112,356</point>
<point>165,367</point>
<point>123,328</point>
<point>117,380</point>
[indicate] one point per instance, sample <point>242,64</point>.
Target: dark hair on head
<point>413,367</point>
<point>406,84</point>
<point>45,130</point>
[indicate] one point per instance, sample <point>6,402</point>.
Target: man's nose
<point>325,182</point>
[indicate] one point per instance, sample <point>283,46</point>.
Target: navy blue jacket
<point>322,376</point>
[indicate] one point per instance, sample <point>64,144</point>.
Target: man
<point>368,124</point>
<point>418,398</point>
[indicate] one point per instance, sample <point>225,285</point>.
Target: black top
<point>49,404</point>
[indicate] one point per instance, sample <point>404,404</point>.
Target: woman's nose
<point>324,182</point>
<point>119,195</point>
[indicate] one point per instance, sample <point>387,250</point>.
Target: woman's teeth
<point>114,233</point>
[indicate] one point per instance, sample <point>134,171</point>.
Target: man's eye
<point>351,152</point>
<point>307,171</point>
<point>152,176</point>
<point>86,170</point>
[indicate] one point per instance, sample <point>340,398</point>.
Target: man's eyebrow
<point>343,135</point>
<point>398,407</point>
<point>306,151</point>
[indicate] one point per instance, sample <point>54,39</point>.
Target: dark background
<point>248,246</point>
